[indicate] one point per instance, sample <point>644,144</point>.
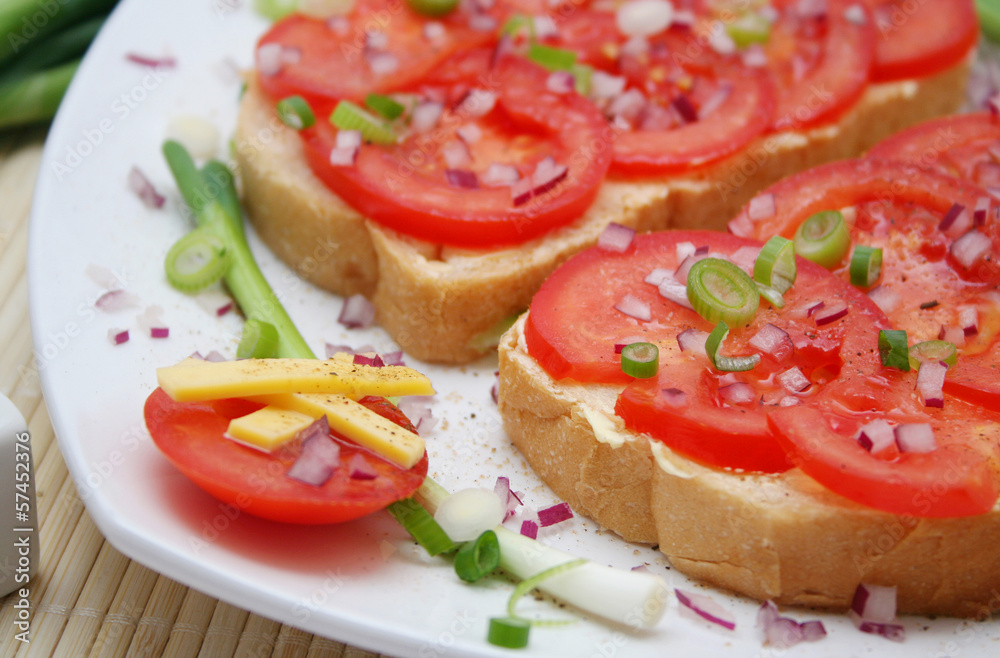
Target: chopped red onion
<point>376,40</point>
<point>982,209</point>
<point>154,62</point>
<point>357,312</point>
<point>915,437</point>
<point>418,409</point>
<point>873,610</point>
<point>104,277</point>
<point>670,288</point>
<point>469,133</point>
<point>374,361</point>
<point>359,468</point>
<point>547,175</point>
<point>426,115</point>
<point>554,514</point>
<point>644,17</point>
<point>319,457</point>
<point>658,276</point>
<point>116,300</point>
<point>894,632</point>
<point>634,307</point>
<point>498,175</point>
<point>628,105</point>
<point>813,308</point>
<point>215,357</point>
<point>856,14</point>
<point>952,334</point>
<point>681,273</point>
<point>793,380</point>
<point>529,529</point>
<point>968,319</point>
<point>139,184</point>
<point>950,216</point>
<point>685,249</point>
<point>784,632</point>
<point>118,336</point>
<point>215,301</point>
<point>635,47</point>
<point>698,606</point>
<point>456,155</point>
<point>829,314</point>
<point>477,103</point>
<point>719,39</point>
<point>605,85</point>
<point>159,332</point>
<point>715,101</point>
<point>462,178</point>
<point>817,9</point>
<point>270,59</point>
<point>615,237</point>
<point>560,82</point>
<point>745,258</point>
<point>684,108</point>
<point>339,25</point>
<point>495,392</point>
<point>930,382</point>
<point>382,63</point>
<point>692,340</point>
<point>433,30</point>
<point>761,207</point>
<point>344,157</point>
<point>502,489</point>
<point>151,322</point>
<point>674,397</point>
<point>544,26</point>
<point>789,401</point>
<point>774,342</point>
<point>970,248</point>
<point>755,56</point>
<point>738,393</point>
<point>885,298</point>
<point>875,436</point>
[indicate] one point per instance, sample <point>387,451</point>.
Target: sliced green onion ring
<point>727,363</point>
<point>529,584</point>
<point>384,106</point>
<point>893,349</point>
<point>258,341</point>
<point>421,525</point>
<point>583,75</point>
<point>509,632</point>
<point>294,112</point>
<point>553,59</point>
<point>933,350</point>
<point>866,265</point>
<point>196,261</point>
<point>823,238</point>
<point>515,23</point>
<point>770,294</point>
<point>349,116</point>
<point>477,558</point>
<point>775,266</point>
<point>433,7</point>
<point>720,290</point>
<point>750,28</point>
<point>640,360</point>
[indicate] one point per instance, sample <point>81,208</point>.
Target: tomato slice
<point>573,327</point>
<point>190,434</point>
<point>898,208</point>
<point>919,39</point>
<point>406,187</point>
<point>379,47</point>
<point>956,479</point>
<point>821,63</point>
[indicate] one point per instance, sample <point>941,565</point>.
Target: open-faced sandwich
<point>808,403</point>
<point>443,165</point>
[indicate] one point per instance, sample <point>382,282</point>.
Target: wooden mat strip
<point>88,599</point>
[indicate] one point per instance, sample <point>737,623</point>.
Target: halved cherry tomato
<point>573,327</point>
<point>190,434</point>
<point>918,38</point>
<point>956,479</point>
<point>898,208</point>
<point>821,62</point>
<point>406,187</point>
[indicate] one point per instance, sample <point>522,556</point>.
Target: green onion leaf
<point>720,290</point>
<point>933,350</point>
<point>514,24</point>
<point>893,349</point>
<point>866,265</point>
<point>433,7</point>
<point>529,584</point>
<point>349,116</point>
<point>259,340</point>
<point>295,113</point>
<point>823,238</point>
<point>508,632</point>
<point>421,525</point>
<point>748,29</point>
<point>583,74</point>
<point>775,266</point>
<point>384,106</point>
<point>640,360</point>
<point>713,347</point>
<point>477,558</point>
<point>275,10</point>
<point>553,59</point>
<point>196,261</point>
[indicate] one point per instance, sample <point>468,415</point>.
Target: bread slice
<point>779,537</point>
<point>444,304</point>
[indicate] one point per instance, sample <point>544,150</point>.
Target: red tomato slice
<point>573,326</point>
<point>899,209</point>
<point>190,434</point>
<point>954,480</point>
<point>340,59</point>
<point>919,39</point>
<point>821,63</point>
<point>406,187</point>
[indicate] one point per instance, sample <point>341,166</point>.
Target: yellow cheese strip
<point>194,380</point>
<point>268,428</point>
<point>356,422</point>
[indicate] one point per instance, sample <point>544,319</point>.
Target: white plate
<point>363,583</point>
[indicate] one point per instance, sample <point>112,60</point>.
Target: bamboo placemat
<point>87,598</point>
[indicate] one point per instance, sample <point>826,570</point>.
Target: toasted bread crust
<point>783,538</point>
<point>435,301</point>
